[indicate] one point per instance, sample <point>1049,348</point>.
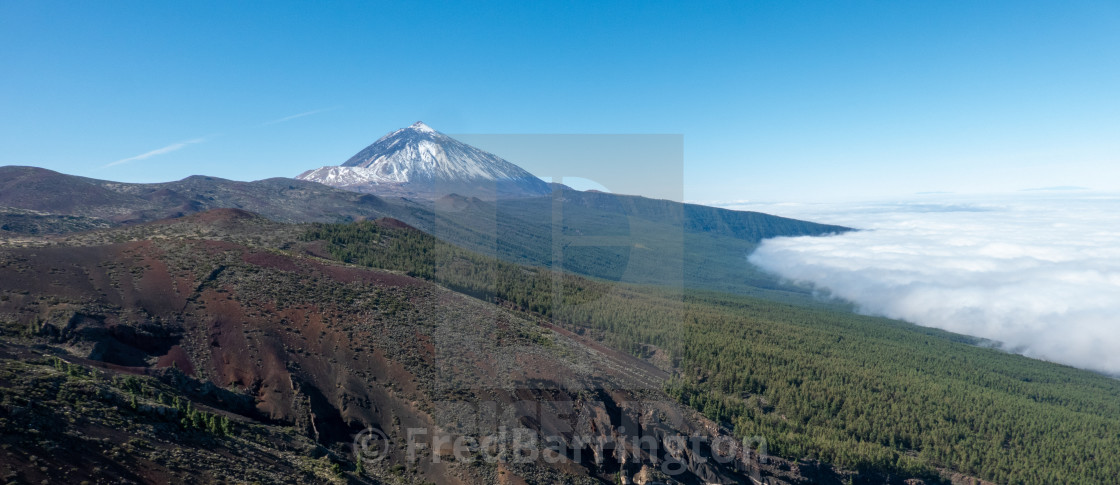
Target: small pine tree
<point>225,426</point>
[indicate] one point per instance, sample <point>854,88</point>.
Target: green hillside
<point>870,394</point>
<point>620,238</point>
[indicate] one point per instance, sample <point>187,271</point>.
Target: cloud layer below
<point>1038,274</point>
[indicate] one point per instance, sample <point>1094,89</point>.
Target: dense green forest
<point>862,393</point>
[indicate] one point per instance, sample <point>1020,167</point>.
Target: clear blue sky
<point>776,100</point>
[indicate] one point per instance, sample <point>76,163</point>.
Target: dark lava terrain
<point>219,347</point>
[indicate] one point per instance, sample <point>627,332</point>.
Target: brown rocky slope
<point>290,360</point>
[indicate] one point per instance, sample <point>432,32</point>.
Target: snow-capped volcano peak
<point>419,160</point>
<point>421,127</point>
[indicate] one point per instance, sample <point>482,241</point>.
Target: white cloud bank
<point>1039,274</point>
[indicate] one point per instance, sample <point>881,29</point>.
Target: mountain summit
<point>419,161</point>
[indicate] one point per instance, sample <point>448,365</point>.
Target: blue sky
<point>776,101</point>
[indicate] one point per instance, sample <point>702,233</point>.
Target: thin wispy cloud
<point>1038,275</point>
<point>299,115</point>
<point>183,144</point>
<point>159,151</point>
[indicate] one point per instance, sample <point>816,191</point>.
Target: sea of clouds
<point>1038,273</point>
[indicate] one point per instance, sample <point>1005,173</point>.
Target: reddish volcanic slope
<point>284,338</point>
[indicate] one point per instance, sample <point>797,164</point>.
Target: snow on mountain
<point>420,161</point>
<point>343,176</point>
